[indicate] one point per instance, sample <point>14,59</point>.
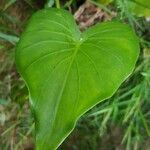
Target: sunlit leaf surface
<point>68,72</point>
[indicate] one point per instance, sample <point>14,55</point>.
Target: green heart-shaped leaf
<point>68,72</point>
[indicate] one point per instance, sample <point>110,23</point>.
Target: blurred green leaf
<point>50,3</point>
<point>140,7</point>
<point>3,101</point>
<point>9,38</point>
<point>1,46</point>
<point>9,3</point>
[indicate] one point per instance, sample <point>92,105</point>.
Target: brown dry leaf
<point>88,15</point>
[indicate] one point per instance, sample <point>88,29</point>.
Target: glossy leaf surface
<point>68,72</point>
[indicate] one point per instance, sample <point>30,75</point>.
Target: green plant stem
<point>57,3</point>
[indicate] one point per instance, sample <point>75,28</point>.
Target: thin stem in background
<point>57,2</point>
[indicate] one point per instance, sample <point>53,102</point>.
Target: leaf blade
<point>65,67</point>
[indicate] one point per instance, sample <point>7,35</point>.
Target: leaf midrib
<point>65,80</point>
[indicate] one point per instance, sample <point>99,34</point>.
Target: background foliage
<point>121,122</point>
